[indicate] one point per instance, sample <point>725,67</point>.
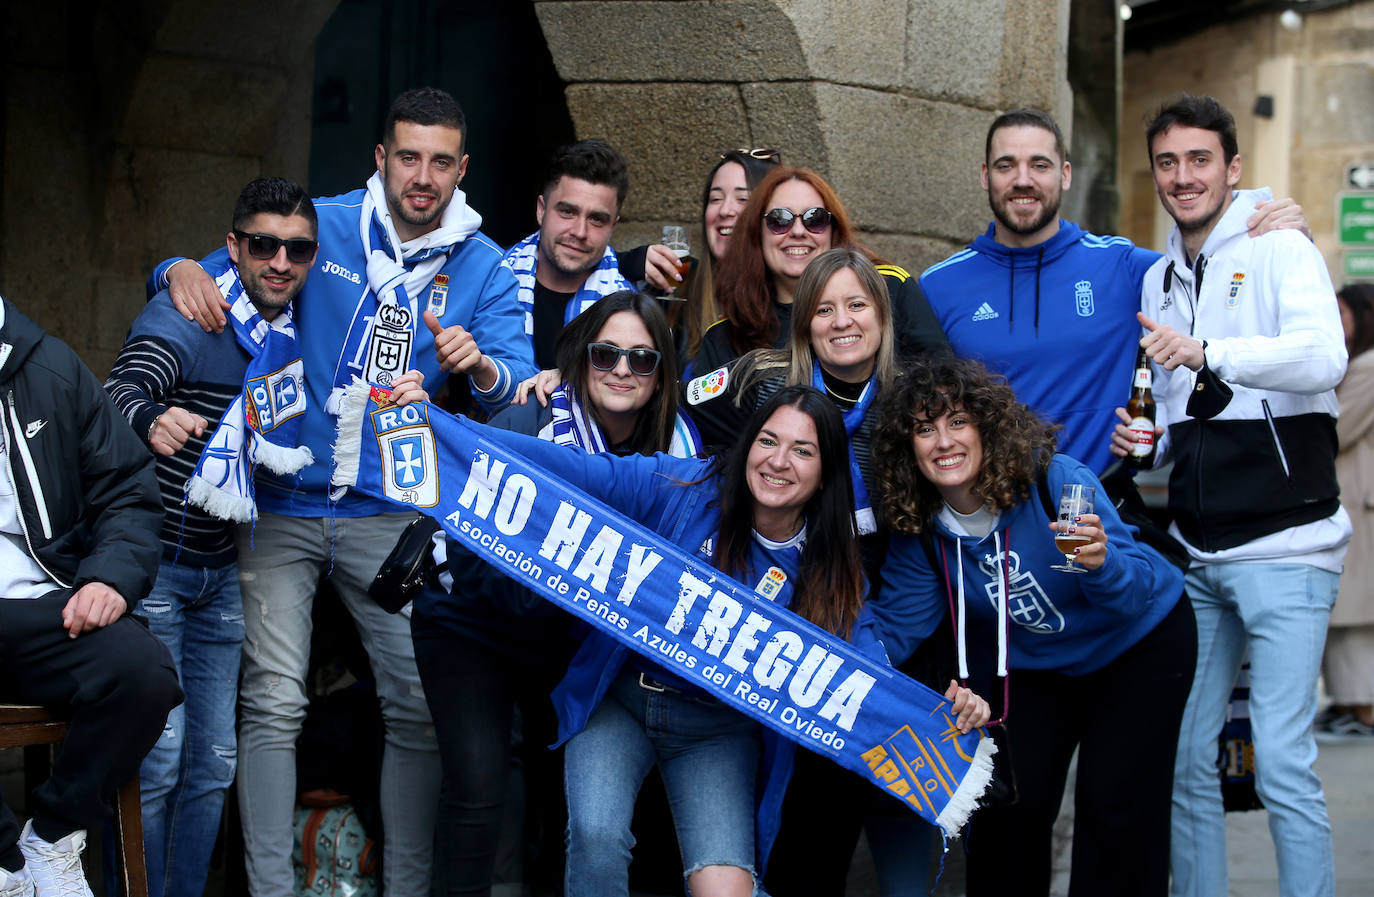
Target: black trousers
<point>118,685</point>
<point>1124,721</point>
<point>473,690</point>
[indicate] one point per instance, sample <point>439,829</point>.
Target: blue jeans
<point>197,613</point>
<point>707,754</point>
<point>1279,612</point>
<point>279,573</point>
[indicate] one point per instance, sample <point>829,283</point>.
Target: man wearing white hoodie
<point>1247,345</point>
<point>403,279</point>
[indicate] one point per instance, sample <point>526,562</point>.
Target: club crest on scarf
<point>406,445</point>
<point>911,767</point>
<point>276,397</point>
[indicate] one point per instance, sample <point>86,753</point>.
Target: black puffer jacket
<point>85,484</point>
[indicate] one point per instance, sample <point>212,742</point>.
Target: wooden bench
<point>22,725</point>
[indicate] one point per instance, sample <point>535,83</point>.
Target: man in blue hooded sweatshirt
<point>1045,303</point>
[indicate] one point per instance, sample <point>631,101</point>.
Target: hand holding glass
<point>1075,501</point>
<point>675,238</point>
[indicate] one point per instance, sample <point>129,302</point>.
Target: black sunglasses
<point>604,357</point>
<point>763,155</point>
<point>815,219</point>
<point>299,250</point>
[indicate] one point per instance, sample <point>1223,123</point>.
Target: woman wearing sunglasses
<point>484,645</point>
<point>1100,661</point>
<point>727,189</point>
<point>793,216</point>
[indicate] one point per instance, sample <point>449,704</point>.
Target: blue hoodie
<point>1073,623</point>
<point>1057,320</point>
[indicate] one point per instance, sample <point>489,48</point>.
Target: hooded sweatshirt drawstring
<point>958,615</point>
<point>1011,290</point>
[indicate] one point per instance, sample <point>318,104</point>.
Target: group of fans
<point>883,454</point>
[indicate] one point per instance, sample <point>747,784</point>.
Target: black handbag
<point>409,566</point>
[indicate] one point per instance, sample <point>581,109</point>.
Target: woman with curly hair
<point>1099,661</point>
<point>793,216</point>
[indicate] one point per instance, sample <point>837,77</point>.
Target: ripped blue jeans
<point>707,754</point>
<point>198,615</point>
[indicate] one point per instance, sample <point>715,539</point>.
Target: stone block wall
<point>887,99</point>
<point>118,123</point>
<point>1321,78</point>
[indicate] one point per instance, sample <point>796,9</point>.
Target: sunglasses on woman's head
<point>815,219</point>
<point>763,155</point>
<point>299,250</point>
<point>604,357</point>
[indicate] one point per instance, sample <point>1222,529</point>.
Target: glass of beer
<point>1074,501</point>
<point>675,238</point>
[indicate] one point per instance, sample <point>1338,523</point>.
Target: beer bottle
<point>1141,408</point>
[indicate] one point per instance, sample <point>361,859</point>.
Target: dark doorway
<point>491,56</point>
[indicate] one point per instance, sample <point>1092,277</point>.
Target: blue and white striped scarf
<point>573,424</point>
<point>603,280</point>
<point>260,426</point>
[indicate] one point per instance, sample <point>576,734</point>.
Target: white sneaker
<point>16,884</point>
<point>56,868</point>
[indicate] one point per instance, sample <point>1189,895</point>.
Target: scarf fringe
<point>280,459</point>
<point>955,815</point>
<point>219,502</point>
<point>348,438</point>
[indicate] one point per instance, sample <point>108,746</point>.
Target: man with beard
<point>1041,301</point>
<point>405,280</point>
<point>174,383</point>
<point>568,263</point>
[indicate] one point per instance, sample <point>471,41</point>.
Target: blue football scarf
<point>603,280</point>
<point>260,425</point>
<point>572,423</point>
<point>863,508</point>
<point>805,683</point>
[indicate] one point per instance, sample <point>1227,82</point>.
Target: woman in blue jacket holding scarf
<point>1099,661</point>
<point>776,511</point>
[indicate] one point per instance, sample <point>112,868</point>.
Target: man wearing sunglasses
<point>404,280</point>
<point>568,264</point>
<point>174,383</point>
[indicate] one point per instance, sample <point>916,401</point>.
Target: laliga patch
<point>410,468</point>
<point>705,388</point>
<point>388,349</point>
<point>1233,295</point>
<point>438,295</point>
<point>771,584</point>
<point>277,397</point>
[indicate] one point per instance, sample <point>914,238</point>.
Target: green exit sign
<point>1355,219</point>
<point>1359,264</point>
